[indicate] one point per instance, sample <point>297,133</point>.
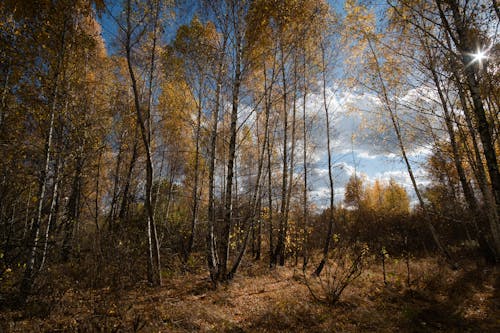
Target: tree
<point>195,47</point>
<point>138,19</point>
<point>331,218</point>
<point>354,192</point>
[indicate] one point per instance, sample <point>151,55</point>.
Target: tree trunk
<point>292,156</point>
<point>72,209</point>
<point>331,220</point>
<point>51,221</point>
<point>154,272</point>
<point>280,247</point>
<point>211,246</point>
<point>96,201</point>
<point>158,187</point>
<point>230,164</point>
<point>3,110</point>
<point>267,144</point>
<point>125,197</point>
<point>305,208</point>
<point>194,216</point>
<point>114,196</point>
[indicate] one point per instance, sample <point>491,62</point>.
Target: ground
<point>278,300</point>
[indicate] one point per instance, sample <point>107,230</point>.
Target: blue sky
<point>184,13</point>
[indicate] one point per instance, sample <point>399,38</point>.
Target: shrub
<point>344,265</point>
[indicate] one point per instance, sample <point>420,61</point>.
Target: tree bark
<point>72,209</point>
<point>194,215</point>
<point>279,253</point>
<point>125,197</point>
<point>292,154</point>
<point>305,208</point>
<point>211,245</point>
<point>269,177</point>
<point>230,163</point>
<point>3,110</point>
<point>51,221</point>
<point>114,196</point>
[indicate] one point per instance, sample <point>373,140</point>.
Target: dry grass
<point>263,300</point>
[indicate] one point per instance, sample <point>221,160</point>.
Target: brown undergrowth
<point>277,300</point>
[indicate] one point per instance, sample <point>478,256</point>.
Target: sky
<point>363,139</point>
<point>364,143</point>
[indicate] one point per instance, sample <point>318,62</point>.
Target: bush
<point>344,265</point>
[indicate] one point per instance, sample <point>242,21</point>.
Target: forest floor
<point>262,300</point>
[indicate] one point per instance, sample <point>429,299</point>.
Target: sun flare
<point>479,56</point>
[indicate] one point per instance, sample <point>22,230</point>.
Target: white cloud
<point>367,155</point>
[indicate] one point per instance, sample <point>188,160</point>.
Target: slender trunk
<point>280,247</point>
<point>267,145</point>
<point>96,201</point>
<point>3,110</point>
<point>331,221</point>
<point>51,221</point>
<point>236,204</point>
<point>256,199</point>
<point>259,233</point>
<point>158,187</point>
<point>292,156</point>
<point>156,244</point>
<point>211,246</point>
<point>230,163</point>
<point>247,224</point>
<point>195,195</point>
<point>27,214</point>
<point>154,272</point>
<point>114,196</point>
<point>383,254</point>
<point>240,255</point>
<point>305,208</point>
<point>7,232</point>
<point>270,204</point>
<point>407,255</point>
<point>168,200</point>
<point>72,209</point>
<point>125,197</point>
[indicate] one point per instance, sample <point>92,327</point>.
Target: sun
<point>479,56</point>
